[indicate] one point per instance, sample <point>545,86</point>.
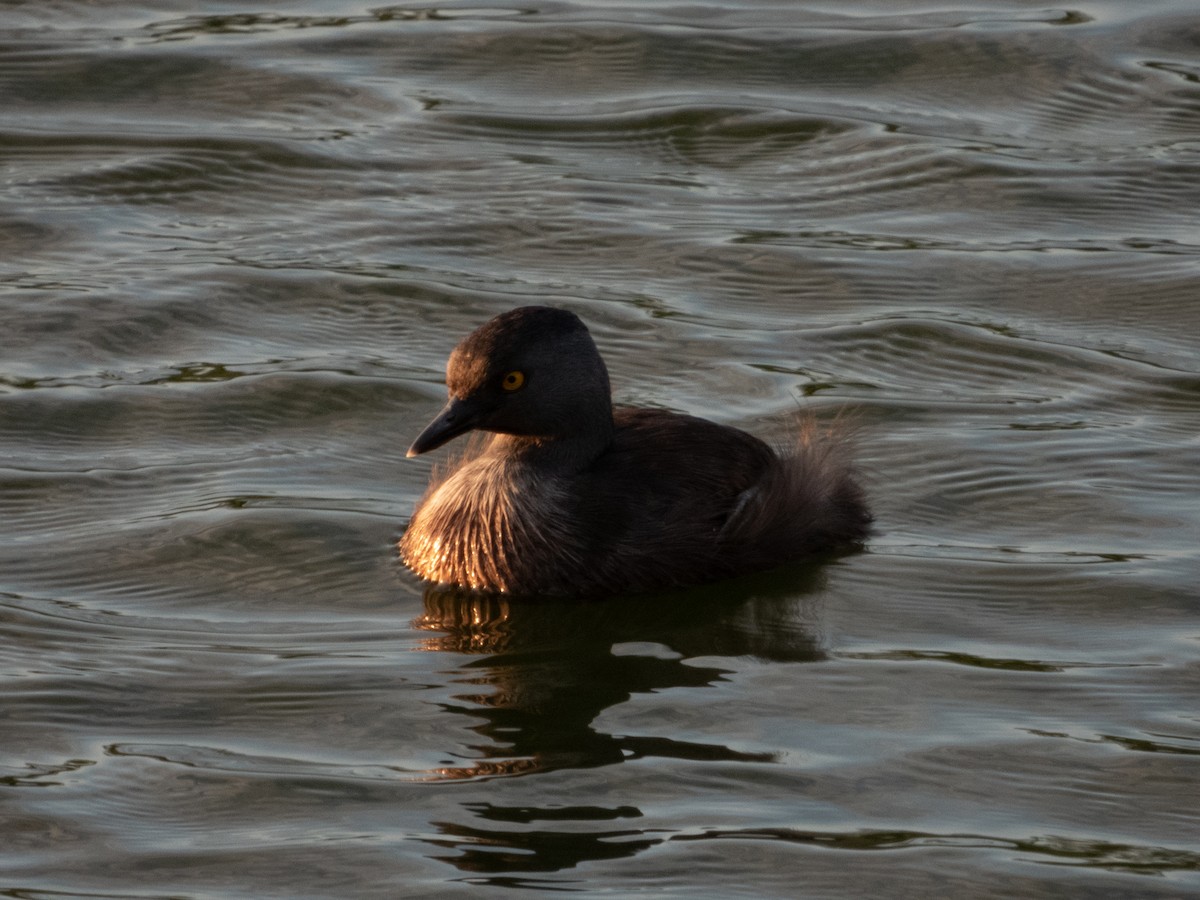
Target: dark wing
<point>700,501</point>
<point>653,507</point>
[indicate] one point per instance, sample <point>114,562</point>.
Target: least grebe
<point>571,495</point>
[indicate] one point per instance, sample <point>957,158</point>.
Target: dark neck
<point>562,453</point>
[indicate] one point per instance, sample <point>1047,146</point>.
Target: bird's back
<point>679,500</point>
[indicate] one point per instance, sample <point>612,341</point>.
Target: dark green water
<point>236,245</point>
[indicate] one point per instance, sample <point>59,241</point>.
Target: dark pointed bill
<point>457,417</point>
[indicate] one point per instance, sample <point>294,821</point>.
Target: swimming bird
<point>569,495</point>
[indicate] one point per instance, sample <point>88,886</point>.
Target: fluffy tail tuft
<point>809,501</point>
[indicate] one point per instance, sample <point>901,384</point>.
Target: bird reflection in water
<point>466,622</point>
<point>545,672</point>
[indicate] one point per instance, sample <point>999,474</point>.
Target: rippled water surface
<point>236,246</point>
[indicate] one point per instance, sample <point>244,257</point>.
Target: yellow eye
<point>513,381</point>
